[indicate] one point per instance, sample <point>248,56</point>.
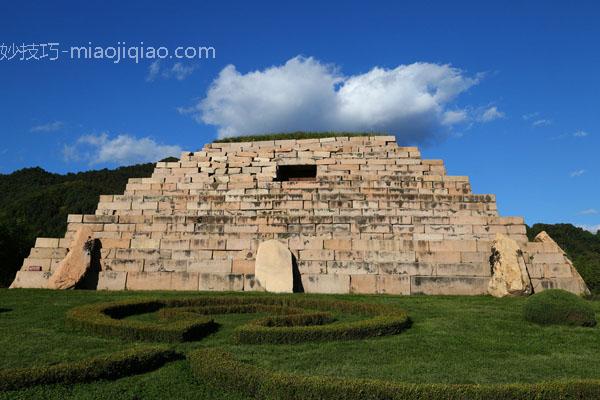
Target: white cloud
<point>577,134</point>
<point>580,134</point>
<point>490,114</point>
<point>416,101</point>
<point>536,120</point>
<point>453,117</point>
<point>530,116</point>
<point>49,127</point>
<point>178,71</point>
<point>541,122</point>
<point>121,150</point>
<point>577,173</point>
<point>589,211</point>
<point>591,228</point>
<point>153,71</point>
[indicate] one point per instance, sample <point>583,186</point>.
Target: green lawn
<point>452,340</point>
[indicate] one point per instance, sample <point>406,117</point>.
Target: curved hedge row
<point>107,319</point>
<point>111,366</point>
<point>219,369</point>
<point>296,320</point>
<point>260,332</point>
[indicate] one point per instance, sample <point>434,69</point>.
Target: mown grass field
<point>452,340</point>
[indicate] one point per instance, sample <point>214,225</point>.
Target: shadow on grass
<point>5,310</point>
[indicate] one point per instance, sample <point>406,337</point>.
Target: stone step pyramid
<point>359,214</point>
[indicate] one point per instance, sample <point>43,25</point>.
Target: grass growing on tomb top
<point>294,135</point>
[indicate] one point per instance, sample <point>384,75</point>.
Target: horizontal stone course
<point>376,219</point>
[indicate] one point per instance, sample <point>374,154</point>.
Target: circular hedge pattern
<point>559,307</point>
<point>291,319</point>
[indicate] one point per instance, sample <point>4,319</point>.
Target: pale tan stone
<point>239,266</point>
<point>273,267</point>
<point>393,284</point>
<point>77,262</point>
<point>363,284</point>
<point>149,280</point>
<point>31,279</point>
<point>328,283</point>
<point>251,284</point>
<point>575,283</point>
<point>509,272</point>
<point>111,280</point>
<point>221,282</point>
<point>449,285</point>
<point>46,242</point>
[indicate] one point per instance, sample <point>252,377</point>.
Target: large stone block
<point>316,283</point>
<point>184,281</point>
<point>273,267</point>
<point>509,272</point>
<point>77,262</point>
<point>449,285</point>
<point>251,284</point>
<point>31,279</point>
<point>46,242</point>
<point>363,284</point>
<point>112,280</point>
<point>221,282</point>
<point>393,284</point>
<point>149,280</point>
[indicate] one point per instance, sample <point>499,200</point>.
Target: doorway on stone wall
<point>299,172</point>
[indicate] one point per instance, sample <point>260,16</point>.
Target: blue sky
<point>506,93</point>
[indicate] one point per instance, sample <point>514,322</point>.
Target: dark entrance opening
<point>296,173</point>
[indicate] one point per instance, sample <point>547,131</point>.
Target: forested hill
<point>34,202</point>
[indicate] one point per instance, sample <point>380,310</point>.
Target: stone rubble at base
<point>377,219</point>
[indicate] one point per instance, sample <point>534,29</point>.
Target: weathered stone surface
<point>316,283</point>
<point>575,282</point>
<point>30,279</point>
<point>77,262</point>
<point>112,280</point>
<point>149,280</point>
<point>251,284</point>
<point>274,268</point>
<point>221,282</point>
<point>393,284</point>
<point>509,272</point>
<point>363,284</point>
<point>376,218</point>
<point>449,285</point>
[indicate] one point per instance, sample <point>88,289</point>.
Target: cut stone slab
<point>509,272</point>
<point>575,283</point>
<point>274,268</point>
<point>112,280</point>
<point>77,262</point>
<point>30,279</point>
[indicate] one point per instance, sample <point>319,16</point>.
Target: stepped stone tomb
<point>330,215</point>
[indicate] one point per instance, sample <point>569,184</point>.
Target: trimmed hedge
<point>106,319</point>
<point>299,319</point>
<point>261,333</point>
<point>111,366</point>
<point>559,307</point>
<point>219,369</point>
<point>294,135</point>
<point>186,312</point>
